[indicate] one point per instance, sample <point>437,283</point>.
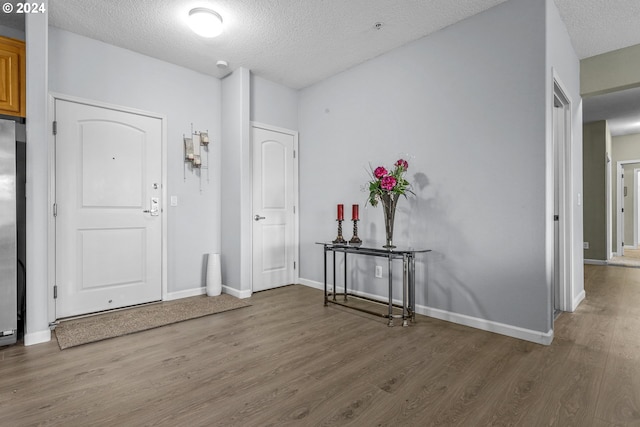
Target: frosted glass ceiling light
<point>205,22</point>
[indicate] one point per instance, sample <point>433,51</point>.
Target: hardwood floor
<point>288,360</point>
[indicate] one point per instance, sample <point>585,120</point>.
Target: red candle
<point>355,211</point>
<point>340,212</point>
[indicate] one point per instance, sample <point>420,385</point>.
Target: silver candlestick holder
<point>355,240</point>
<point>339,239</point>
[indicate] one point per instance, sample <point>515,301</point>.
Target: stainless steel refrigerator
<point>8,234</point>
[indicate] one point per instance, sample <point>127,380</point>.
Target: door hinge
<point>622,210</point>
<point>556,217</point>
<point>55,291</point>
<point>294,154</point>
<point>294,209</point>
<point>55,127</point>
<point>294,265</point>
<point>55,210</point>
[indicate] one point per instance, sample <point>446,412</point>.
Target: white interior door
<point>558,132</point>
<point>562,296</point>
<point>108,225</point>
<point>273,208</point>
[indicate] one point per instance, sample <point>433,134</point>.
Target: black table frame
<point>408,279</point>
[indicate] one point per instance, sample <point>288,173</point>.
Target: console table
<point>407,255</point>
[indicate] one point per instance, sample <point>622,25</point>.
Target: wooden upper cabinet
<point>12,77</point>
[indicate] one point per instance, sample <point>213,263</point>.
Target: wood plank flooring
<point>288,360</point>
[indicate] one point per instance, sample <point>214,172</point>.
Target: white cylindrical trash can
<point>214,275</point>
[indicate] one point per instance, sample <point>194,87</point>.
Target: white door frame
<point>620,203</point>
<point>609,207</point>
<point>51,255</point>
<point>636,206</point>
<point>565,186</point>
<point>296,216</point>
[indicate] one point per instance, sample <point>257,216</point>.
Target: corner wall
<point>468,105</point>
<point>563,64</point>
<point>39,208</point>
<point>236,191</point>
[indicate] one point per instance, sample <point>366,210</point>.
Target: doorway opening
<point>627,210</point>
<point>562,278</point>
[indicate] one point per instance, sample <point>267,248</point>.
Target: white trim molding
<point>236,293</point>
<point>185,294</point>
<point>577,300</point>
<point>537,337</point>
<point>38,337</point>
<point>595,262</point>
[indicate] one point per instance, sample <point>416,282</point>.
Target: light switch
<point>174,200</point>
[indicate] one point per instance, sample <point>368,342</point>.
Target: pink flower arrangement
<point>380,172</point>
<point>388,182</point>
<point>384,182</point>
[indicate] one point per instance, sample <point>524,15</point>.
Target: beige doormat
<point>71,333</point>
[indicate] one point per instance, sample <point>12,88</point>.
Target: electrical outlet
<point>379,271</point>
<point>585,245</point>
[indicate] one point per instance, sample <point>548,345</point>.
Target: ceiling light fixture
<point>205,22</point>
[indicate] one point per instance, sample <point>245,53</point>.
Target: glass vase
<point>389,202</point>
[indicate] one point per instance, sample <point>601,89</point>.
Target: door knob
<point>258,217</point>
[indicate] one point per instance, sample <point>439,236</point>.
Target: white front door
<point>273,208</point>
<point>108,224</point>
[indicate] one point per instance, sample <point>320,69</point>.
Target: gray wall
<point>273,104</point>
<point>471,98</point>
<point>236,190</point>
<point>611,71</point>
<point>90,69</point>
<point>595,196</point>
<point>11,33</point>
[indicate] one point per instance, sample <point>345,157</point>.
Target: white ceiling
<point>621,109</point>
<point>300,42</point>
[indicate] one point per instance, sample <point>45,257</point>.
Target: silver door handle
<point>155,208</point>
<point>258,217</point>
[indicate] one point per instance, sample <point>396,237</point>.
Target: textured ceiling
<point>292,42</point>
<point>300,42</point>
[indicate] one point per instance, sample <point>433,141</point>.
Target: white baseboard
<point>185,294</point>
<point>202,291</point>
<point>537,337</point>
<point>544,338</point>
<point>311,283</point>
<point>595,261</point>
<point>38,337</point>
<point>577,300</point>
<point>236,293</point>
